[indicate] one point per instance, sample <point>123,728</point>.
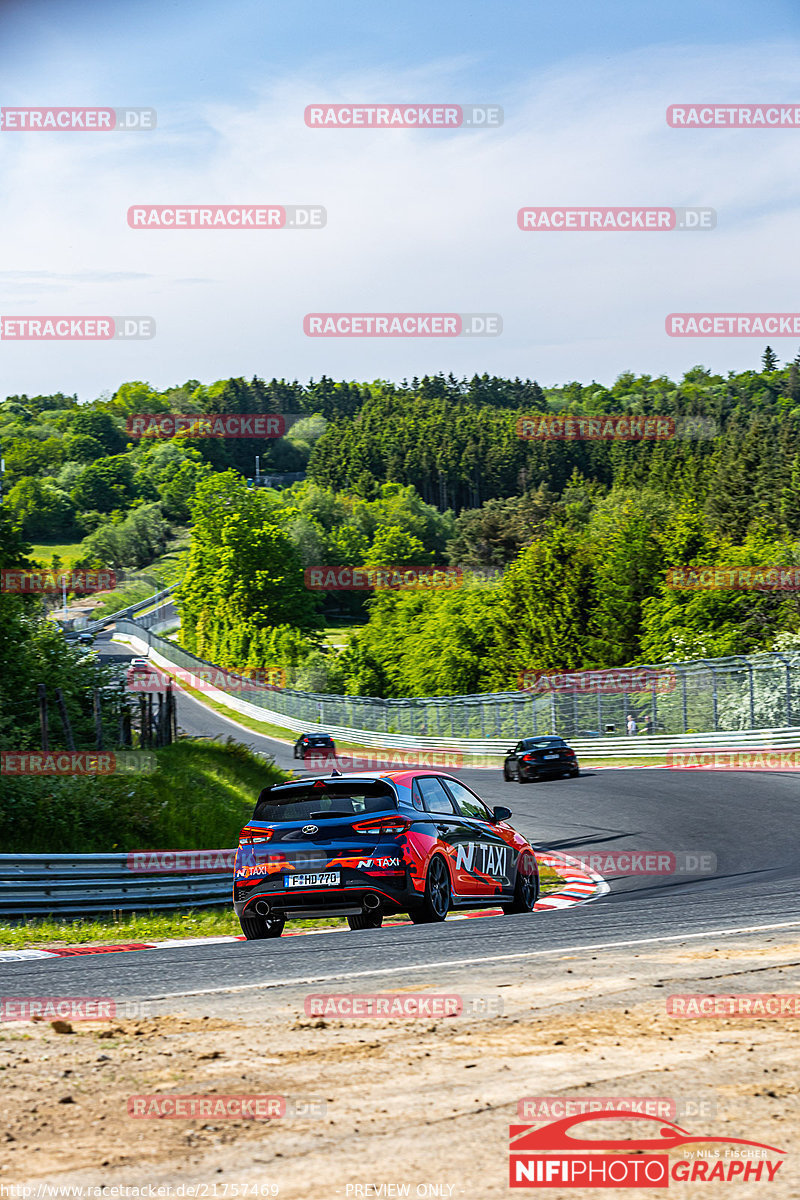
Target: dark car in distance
<point>537,757</point>
<point>319,745</point>
<point>366,845</point>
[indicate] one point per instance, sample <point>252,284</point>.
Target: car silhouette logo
<point>311,829</point>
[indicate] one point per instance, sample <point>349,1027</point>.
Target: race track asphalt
<point>747,821</point>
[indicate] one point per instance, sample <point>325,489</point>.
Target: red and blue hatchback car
<point>365,845</point>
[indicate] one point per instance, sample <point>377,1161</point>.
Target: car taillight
<point>527,758</point>
<point>253,837</point>
<point>570,753</point>
<point>379,825</point>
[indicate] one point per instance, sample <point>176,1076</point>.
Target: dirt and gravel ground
<point>422,1104</point>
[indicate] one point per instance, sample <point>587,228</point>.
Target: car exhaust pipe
<point>262,908</point>
<point>372,902</point>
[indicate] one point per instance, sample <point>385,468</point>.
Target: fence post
<point>98,719</point>
<point>42,693</point>
<point>714,698</point>
<point>788,695</point>
<point>752,697</point>
<point>685,703</point>
<point>62,712</point>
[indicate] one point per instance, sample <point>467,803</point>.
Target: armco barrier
<point>129,612</point>
<point>81,884</point>
<point>167,655</point>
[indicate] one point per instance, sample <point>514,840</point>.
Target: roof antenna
<point>337,773</point>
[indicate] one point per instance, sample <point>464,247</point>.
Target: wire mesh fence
<point>705,695</point>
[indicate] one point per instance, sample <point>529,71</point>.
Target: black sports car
<point>536,757</point>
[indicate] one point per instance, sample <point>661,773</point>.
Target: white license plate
<point>551,756</point>
<point>318,879</point>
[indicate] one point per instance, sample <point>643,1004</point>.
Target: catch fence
<point>759,692</point>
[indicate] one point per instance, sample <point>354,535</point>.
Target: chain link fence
<point>708,695</point>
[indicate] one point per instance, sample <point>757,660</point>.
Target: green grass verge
<point>159,927</point>
<point>199,797</point>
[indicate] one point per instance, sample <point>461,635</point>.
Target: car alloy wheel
<point>436,901</point>
<point>526,888</point>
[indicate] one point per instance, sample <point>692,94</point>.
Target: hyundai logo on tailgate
<point>311,829</point>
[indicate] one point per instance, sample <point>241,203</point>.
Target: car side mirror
<point>499,813</point>
<point>512,750</point>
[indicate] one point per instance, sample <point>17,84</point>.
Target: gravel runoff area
<point>420,1104</point>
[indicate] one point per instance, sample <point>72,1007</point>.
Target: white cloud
<point>416,222</point>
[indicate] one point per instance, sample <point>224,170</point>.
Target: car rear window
<point>334,799</point>
<point>543,743</point>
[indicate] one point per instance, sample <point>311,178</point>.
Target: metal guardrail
<point>129,612</point>
<point>82,884</point>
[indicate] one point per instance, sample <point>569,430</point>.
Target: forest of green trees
<point>579,534</point>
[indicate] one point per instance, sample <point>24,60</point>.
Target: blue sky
<point>417,220</point>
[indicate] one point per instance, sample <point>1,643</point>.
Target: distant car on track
<point>538,757</point>
<point>363,845</point>
<point>320,745</point>
<point>140,666</point>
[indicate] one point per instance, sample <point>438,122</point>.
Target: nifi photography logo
<point>552,1156</point>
